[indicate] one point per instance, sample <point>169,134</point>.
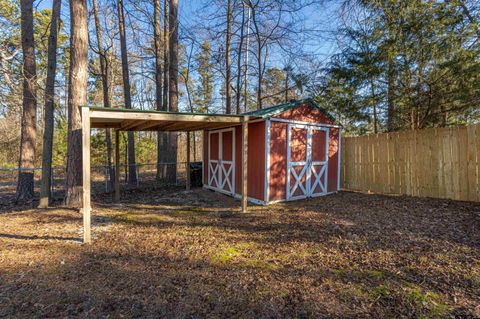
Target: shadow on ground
<point>170,253</point>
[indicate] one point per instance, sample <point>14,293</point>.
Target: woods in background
<point>376,65</point>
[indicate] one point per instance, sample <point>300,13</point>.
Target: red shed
<point>293,153</point>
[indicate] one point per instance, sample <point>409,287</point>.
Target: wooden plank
<point>117,166</point>
<point>244,164</point>
<point>462,163</point>
<point>86,207</point>
<point>100,114</point>
<point>188,162</point>
<point>471,162</point>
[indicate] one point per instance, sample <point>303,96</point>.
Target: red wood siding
<point>305,113</point>
<point>332,184</point>
<point>278,160</point>
<point>278,149</point>
<point>255,161</point>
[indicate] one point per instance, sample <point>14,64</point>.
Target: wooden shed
<point>293,153</point>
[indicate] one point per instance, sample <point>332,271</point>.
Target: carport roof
<point>142,120</point>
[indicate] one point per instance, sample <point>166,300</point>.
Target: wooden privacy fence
<point>438,162</point>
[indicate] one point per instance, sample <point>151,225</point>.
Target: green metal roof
<point>280,108</point>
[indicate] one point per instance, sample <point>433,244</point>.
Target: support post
<point>188,161</point>
<point>86,197</point>
<point>117,166</point>
<point>244,164</point>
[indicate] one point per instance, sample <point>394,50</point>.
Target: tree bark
<point>390,94</point>
<point>132,170</point>
<point>77,97</point>
<point>247,40</point>
<point>45,191</point>
<point>239,59</point>
<point>228,107</point>
<point>107,98</point>
<point>25,184</point>
<point>162,139</point>
<point>158,79</point>
<point>173,85</point>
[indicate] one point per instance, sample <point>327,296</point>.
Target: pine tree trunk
<point>158,79</point>
<point>132,170</point>
<point>25,184</point>
<point>45,192</point>
<point>77,97</point>
<point>390,95</point>
<point>239,59</point>
<point>104,70</point>
<point>173,86</point>
<point>228,108</point>
<point>247,41</point>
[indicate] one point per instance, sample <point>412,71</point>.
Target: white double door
<point>221,160</point>
<point>307,161</point>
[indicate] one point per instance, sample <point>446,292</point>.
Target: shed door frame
<point>220,171</point>
<point>308,169</point>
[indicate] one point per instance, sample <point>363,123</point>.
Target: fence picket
<point>438,162</point>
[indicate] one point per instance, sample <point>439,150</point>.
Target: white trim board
<point>274,119</point>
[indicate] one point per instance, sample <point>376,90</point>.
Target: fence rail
<point>438,162</point>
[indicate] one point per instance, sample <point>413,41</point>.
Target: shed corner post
<point>244,163</point>
<point>188,182</point>
<point>117,166</point>
<point>86,196</point>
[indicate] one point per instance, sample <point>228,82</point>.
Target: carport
<point>120,119</point>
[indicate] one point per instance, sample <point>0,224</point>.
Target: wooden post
<point>86,175</point>
<point>244,164</point>
<point>117,166</point>
<point>188,161</point>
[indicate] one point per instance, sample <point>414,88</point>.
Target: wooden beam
<point>117,166</point>
<point>86,198</point>
<point>130,124</point>
<point>176,117</point>
<point>244,164</point>
<point>188,161</point>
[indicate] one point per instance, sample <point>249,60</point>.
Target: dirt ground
<point>176,254</point>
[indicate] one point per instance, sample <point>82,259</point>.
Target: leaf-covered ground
<point>173,254</point>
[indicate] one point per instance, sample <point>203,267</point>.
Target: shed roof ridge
<point>280,108</point>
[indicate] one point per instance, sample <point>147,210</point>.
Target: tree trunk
<point>132,170</point>
<point>25,183</point>
<point>158,79</point>
<point>239,60</point>
<point>77,97</point>
<point>45,192</point>
<point>245,89</point>
<point>228,108</point>
<point>162,137</point>
<point>390,94</point>
<point>259,58</point>
<point>104,70</point>
<point>173,86</point>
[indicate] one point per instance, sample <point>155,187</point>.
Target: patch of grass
<point>226,255</point>
<point>259,264</point>
<point>139,218</point>
<point>431,301</point>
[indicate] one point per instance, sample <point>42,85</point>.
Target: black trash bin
<point>196,171</point>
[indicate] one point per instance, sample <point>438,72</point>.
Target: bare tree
<point>77,98</point>
<point>173,83</point>
<point>29,115</point>
<point>106,83</point>
<point>132,170</point>
<point>45,193</point>
<point>228,106</point>
<point>158,79</point>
